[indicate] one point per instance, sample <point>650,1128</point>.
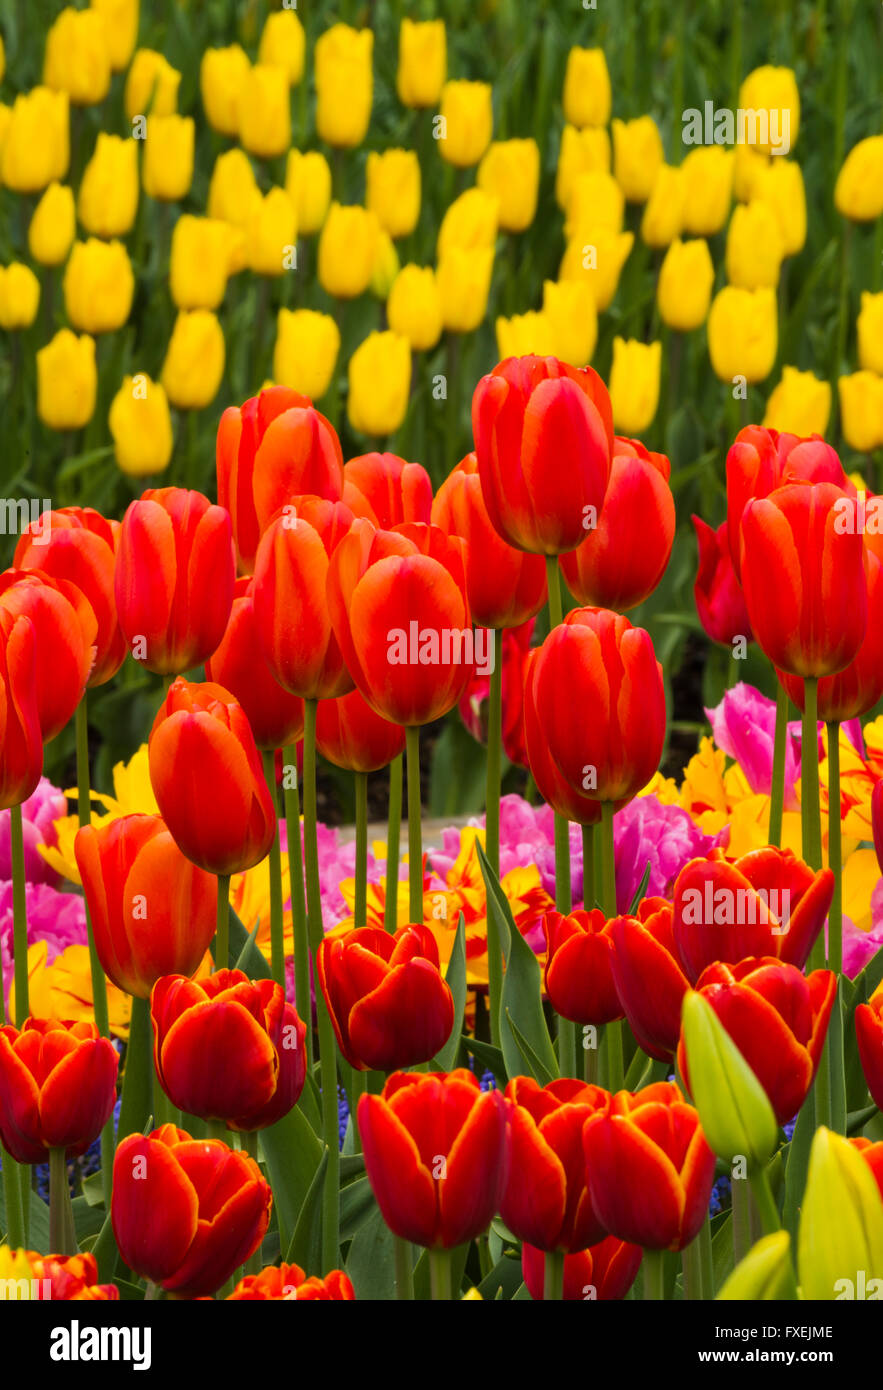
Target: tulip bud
<point>858,193</point>
<point>271,234</point>
<point>393,190</point>
<point>597,256</point>
<point>194,361</point>
<point>108,196</point>
<point>471,221</point>
<point>524,334</point>
<point>861,409</point>
<point>780,183</point>
<point>570,310</point>
<point>36,149</point>
<point>581,152</point>
<point>98,286</point>
<point>422,62</point>
<point>19,296</point>
<point>708,186</point>
<point>773,90</point>
<point>265,111</point>
<point>800,404</point>
<point>233,192</point>
<point>685,280</point>
<point>734,1111</point>
<point>344,84</point>
<point>120,18</point>
<point>308,185</point>
<point>586,97</point>
<point>167,168</point>
<point>664,210</point>
<point>464,282</point>
<point>199,262</point>
<point>468,121</point>
<point>510,171</point>
<point>385,267</point>
<point>634,384</point>
<point>151,86</point>
<point>870,333</point>
<point>53,226</point>
<point>765,1275</point>
<point>379,383</point>
<point>718,595</point>
<point>414,309</point>
<point>305,355</point>
<point>596,200</point>
<point>637,156</point>
<point>742,333</point>
<point>222,73</point>
<point>841,1220</point>
<point>282,44</point>
<point>77,60</point>
<point>347,250</point>
<point>754,246</point>
<point>67,381</point>
<point>141,427</point>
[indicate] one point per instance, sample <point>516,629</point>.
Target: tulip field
<point>441,664</point>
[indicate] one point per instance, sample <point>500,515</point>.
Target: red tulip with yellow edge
<point>289,1282</point>
<point>57,1087</point>
<point>275,715</point>
<point>387,489</point>
<point>579,967</point>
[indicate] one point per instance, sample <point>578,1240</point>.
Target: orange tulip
<point>387,490</point>
<point>276,717</point>
<point>349,734</point>
<point>64,632</point>
<point>21,744</point>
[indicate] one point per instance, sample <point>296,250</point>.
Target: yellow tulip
<point>379,384</point>
<point>467,122</point>
<point>748,165</point>
<point>19,296</point>
<point>637,157</point>
<point>393,190</point>
<point>308,185</point>
<point>344,84</point>
<point>77,59</point>
<point>141,427</point>
<point>2,59</point>
<point>265,112</point>
<point>233,193</point>
<point>870,332</point>
<point>800,404</point>
<point>569,307</point>
<point>305,355</point>
<point>385,267</point>
<point>708,184</point>
<point>743,333</point>
<point>237,248</point>
<point>199,262</point>
<point>67,381</point>
<point>347,250</point>
<point>272,234</point>
<point>120,29</point>
<point>108,196</point>
<point>780,184</point>
<point>663,214</point>
<point>423,62</point>
<point>586,88</point>
<point>98,286</point>
<point>151,86</point>
<point>686,277</point>
<point>523,334</point>
<point>858,193</point>
<point>53,225</point>
<point>194,362</point>
<point>167,165</point>
<point>222,74</point>
<point>36,149</point>
<point>597,255</point>
<point>464,281</point>
<point>5,121</point>
<point>510,171</point>
<point>596,200</point>
<point>414,307</point>
<point>773,90</point>
<point>754,246</point>
<point>861,410</point>
<point>282,44</point>
<point>581,152</point>
<point>634,384</point>
<point>470,221</point>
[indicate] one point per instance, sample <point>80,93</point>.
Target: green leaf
<point>490,1056</point>
<point>357,1201</point>
<point>534,1065</point>
<point>293,1153</point>
<point>305,1248</point>
<point>88,1220</point>
<point>445,1058</point>
<point>857,1119</point>
<point>503,1280</point>
<point>105,1251</point>
<point>371,1260</point>
<point>641,891</point>
<point>244,956</point>
<point>798,1163</point>
<point>93,1189</point>
<point>249,958</point>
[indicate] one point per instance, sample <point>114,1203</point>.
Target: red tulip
<point>546,1200</point>
<point>720,602</point>
<point>208,780</point>
<point>579,967</point>
<point>777,1018</point>
<point>289,1282</point>
<point>644,949</point>
<point>57,1087</point>
<point>581,807</point>
<point>21,742</point>
<point>254,1038</point>
<point>436,1153</point>
<point>387,490</point>
<point>544,440</point>
<point>475,700</point>
<point>505,586</point>
<point>650,1169</point>
<point>186,1212</point>
<point>624,556</point>
<point>152,910</point>
<point>73,1278</point>
<point>276,716</point>
<point>64,641</point>
<point>869,1032</point>
<point>349,734</point>
<point>873,1156</point>
<point>605,1271</point>
<point>388,1002</point>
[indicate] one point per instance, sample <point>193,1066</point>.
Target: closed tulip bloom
<point>644,949</point>
<point>505,586</point>
<point>305,355</point>
<point>625,555</point>
<point>222,74</point>
<point>347,248</point>
<point>581,152</point>
<point>36,148</point>
<point>21,750</point>
<point>167,166</point>
<point>708,185</point>
<point>233,191</point>
<point>108,196</point>
<point>255,1037</point>
<point>780,184</point>
<point>120,18</point>
<point>199,262</point>
<point>344,85</point>
<point>569,308</point>
<point>141,427</point>
<point>276,716</point>
<point>858,193</point>
<point>57,1087</point>
<point>748,165</point>
<point>754,246</point>
<point>208,780</point>
<point>282,44</point>
<point>272,233</point>
<point>467,113</point>
<point>869,1033</point>
<point>393,190</point>
<point>586,96</point>
<point>609,1268</point>
<point>572,803</point>
<point>596,255</point>
<point>869,326</point>
<point>464,281</point>
<point>649,1167</point>
<point>152,911</point>
<point>579,967</point>
<point>186,1212</point>
<point>637,157</point>
<point>742,333</point>
<point>265,111</point>
<point>19,296</point>
<point>413,308</point>
<point>857,688</point>
<point>350,734</point>
<point>308,184</point>
<point>77,60</point>
<point>470,222</point>
<point>151,86</point>
<point>596,200</point>
<point>734,1109</point>
<point>686,277</point>
<point>388,1002</point>
<point>67,381</point>
<point>773,90</point>
<point>861,410</point>
<point>379,384</point>
<point>840,1240</point>
<point>634,383</point>
<point>65,630</point>
<point>523,334</point>
<point>525,412</point>
<point>53,226</point>
<point>510,171</point>
<point>435,1152</point>
<point>387,490</point>
<point>717,592</point>
<point>662,219</point>
<point>422,62</point>
<point>194,361</point>
<point>174,578</point>
<point>800,404</point>
<point>98,286</point>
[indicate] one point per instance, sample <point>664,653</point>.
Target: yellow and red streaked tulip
<point>717,592</point>
<point>57,1087</point>
<point>423,62</point>
<point>869,1033</point>
<point>344,85</point>
<point>579,967</point>
<point>289,1282</point>
<point>65,632</point>
<point>73,1278</point>
<point>387,490</point>
<point>605,1271</point>
<point>276,717</point>
<point>21,759</point>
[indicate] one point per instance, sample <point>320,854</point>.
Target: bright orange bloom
<point>64,635</point>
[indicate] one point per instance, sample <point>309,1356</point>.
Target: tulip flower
<point>841,1220</point>
<point>199,262</point>
<point>685,280</point>
<point>65,630</point>
<point>186,1212</point>
<point>388,1002</point>
<point>98,286</point>
<point>53,226</point>
<point>73,1278</point>
<point>350,735</point>
<point>347,247</point>
<point>872,1153</point>
<point>869,1032</point>
<point>869,328</point>
<point>208,780</point>
<point>76,59</point>
<point>742,333</point>
<point>468,120</point>
<point>167,164</point>
<point>387,490</point>
<point>120,19</point>
<point>464,280</point>
<point>194,361</point>
<point>276,717</point>
<point>637,156</point>
<point>265,111</point>
<point>282,44</point>
<point>605,1271</point>
<point>422,62</point>
<point>773,90</point>
<point>748,165</point>
<point>255,1039</point>
<point>662,219</point>
<point>152,911</point>
<point>581,151</point>
<point>717,591</point>
<point>151,86</point>
<point>308,185</point>
<point>858,193</point>
<point>19,296</point>
<point>644,948</point>
<point>569,308</point>
<point>634,383</point>
<point>379,384</point>
<point>754,246</point>
<point>233,192</point>
<point>649,1167</point>
<point>780,184</point>
<point>21,758</point>
<point>57,1087</point>
<point>765,1274</point>
<point>510,170</point>
<point>344,85</point>
<point>414,309</point>
<point>305,355</point>
<point>36,148</point>
<point>435,1152</point>
<point>586,96</point>
<point>596,200</point>
<point>289,1282</point>
<point>597,254</point>
<point>271,233</point>
<point>108,197</point>
<point>800,404</point>
<point>67,381</point>
<point>707,174</point>
<point>861,410</point>
<point>565,800</point>
<point>579,967</point>
<point>393,190</point>
<point>385,268</point>
<point>877,821</point>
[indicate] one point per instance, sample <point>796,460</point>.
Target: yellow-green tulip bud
<point>265,111</point>
<point>586,96</point>
<point>272,234</point>
<point>151,86</point>
<point>53,225</point>
<point>379,384</point>
<point>305,355</point>
<point>800,404</point>
<point>470,221</point>
<point>141,427</point>
<point>392,182</point>
<point>637,157</point>
<point>754,246</point>
<point>861,410</point>
<point>663,215</point>
<point>686,277</point>
<point>233,193</point>
<point>414,307</point>
<point>510,172</point>
<point>199,262</point>
<point>743,333</point>
<point>19,296</point>
<point>708,186</point>
<point>344,85</point>
<point>108,198</point>
<point>569,306</point>
<point>77,60</point>
<point>734,1109</point>
<point>222,74</point>
<point>308,185</point>
<point>98,286</point>
<point>36,148</point>
<point>120,18</point>
<point>765,1275</point>
<point>423,62</point>
<point>840,1241</point>
<point>464,282</point>
<point>194,362</point>
<point>581,152</point>
<point>467,122</point>
<point>347,250</point>
<point>67,381</point>
<point>858,193</point>
<point>282,44</point>
<point>167,168</point>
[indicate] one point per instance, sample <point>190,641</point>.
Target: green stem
<point>492,833</point>
<point>14,1174</point>
<point>440,1276</point>
<point>741,1219</point>
<point>706,1262</point>
<point>361,905</point>
<point>222,929</point>
<point>404,1269</point>
<point>690,1262</point>
<point>835,852</point>
<point>553,1276</point>
<point>137,1101</point>
<point>359,1088</point>
<point>567,1061</point>
<point>590,1062</point>
<point>563,899</point>
<point>653,1267</point>
<point>766,1206</point>
<point>613,1031</point>
<point>217,1129</point>
<point>415,833</point>
<point>588,867</point>
<point>61,1220</point>
<point>298,905</point>
<point>393,833</point>
<point>19,917</point>
<point>811,823</point>
<point>777,789</point>
<point>277,939</point>
<point>248,1140</point>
